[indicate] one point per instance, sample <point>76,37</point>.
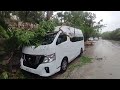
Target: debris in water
<point>99,58</point>
<point>110,74</point>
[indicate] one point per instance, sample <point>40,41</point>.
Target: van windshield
<point>48,39</point>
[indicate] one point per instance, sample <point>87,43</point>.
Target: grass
<point>83,61</point>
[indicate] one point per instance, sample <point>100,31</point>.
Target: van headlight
<point>49,58</point>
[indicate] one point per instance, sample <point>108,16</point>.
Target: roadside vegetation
<point>13,35</point>
<point>112,35</point>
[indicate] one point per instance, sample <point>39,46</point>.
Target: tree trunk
<point>86,36</point>
<point>9,61</point>
<point>49,15</point>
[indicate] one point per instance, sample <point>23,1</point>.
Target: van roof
<point>69,30</point>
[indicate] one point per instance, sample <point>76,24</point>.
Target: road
<point>105,63</point>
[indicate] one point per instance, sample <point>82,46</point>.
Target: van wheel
<point>81,51</point>
<point>64,65</point>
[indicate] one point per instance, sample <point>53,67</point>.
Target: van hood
<point>40,50</point>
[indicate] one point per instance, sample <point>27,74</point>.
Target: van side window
<point>62,38</point>
<point>80,38</point>
<point>75,39</point>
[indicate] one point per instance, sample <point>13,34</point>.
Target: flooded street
<point>105,63</point>
<point>109,65</point>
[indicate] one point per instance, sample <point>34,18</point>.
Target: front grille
<point>32,61</point>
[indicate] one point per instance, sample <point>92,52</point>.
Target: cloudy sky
<point>111,18</point>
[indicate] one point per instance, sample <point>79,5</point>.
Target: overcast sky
<point>111,18</point>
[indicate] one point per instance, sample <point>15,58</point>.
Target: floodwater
<point>105,63</point>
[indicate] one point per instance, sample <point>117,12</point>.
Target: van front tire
<point>64,65</point>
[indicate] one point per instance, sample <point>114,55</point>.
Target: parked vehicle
<point>96,39</point>
<point>57,50</point>
<point>91,39</point>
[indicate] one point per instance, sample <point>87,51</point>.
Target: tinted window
<point>48,39</point>
<point>62,38</point>
<point>75,39</point>
<point>80,38</point>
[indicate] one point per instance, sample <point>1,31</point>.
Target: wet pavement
<point>105,63</point>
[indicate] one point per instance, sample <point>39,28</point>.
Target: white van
<point>96,39</point>
<point>91,39</point>
<point>57,50</point>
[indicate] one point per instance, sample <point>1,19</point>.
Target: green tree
<point>112,35</point>
<point>61,16</point>
<point>29,16</point>
<point>3,16</point>
<point>49,15</point>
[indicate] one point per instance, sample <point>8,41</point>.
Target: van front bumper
<point>45,69</point>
